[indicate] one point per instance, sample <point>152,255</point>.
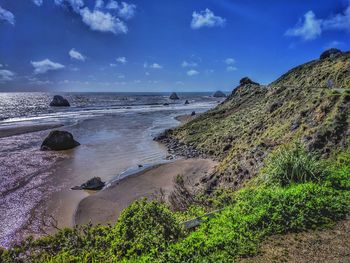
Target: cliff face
<point>309,103</point>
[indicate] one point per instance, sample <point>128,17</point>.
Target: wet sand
<point>11,131</point>
<point>105,206</point>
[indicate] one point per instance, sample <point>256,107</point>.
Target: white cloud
<point>338,21</point>
<point>192,72</point>
<point>1,65</point>
<point>231,68</point>
<point>127,11</point>
<point>147,73</point>
<point>309,28</point>
<point>99,19</point>
<point>121,60</point>
<point>38,2</point>
<point>76,55</point>
<point>7,16</point>
<point>45,65</point>
<point>154,65</point>
<point>206,18</point>
<point>230,61</point>
<point>121,76</point>
<point>99,4</point>
<point>186,64</point>
<point>76,5</point>
<point>124,10</point>
<point>112,5</point>
<point>6,75</point>
<point>104,22</point>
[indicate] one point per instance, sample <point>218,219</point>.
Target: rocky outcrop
<point>330,53</point>
<point>186,102</point>
<point>219,94</point>
<point>92,184</point>
<point>247,81</point>
<point>58,141</point>
<point>59,101</point>
<point>174,96</point>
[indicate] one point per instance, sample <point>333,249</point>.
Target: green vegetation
<point>293,164</point>
<point>150,232</point>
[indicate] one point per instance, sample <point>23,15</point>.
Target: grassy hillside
<point>256,119</point>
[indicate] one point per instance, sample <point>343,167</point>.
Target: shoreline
<point>159,180</point>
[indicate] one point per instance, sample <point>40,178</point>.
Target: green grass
<point>293,164</point>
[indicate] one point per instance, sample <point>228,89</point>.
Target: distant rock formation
<point>174,96</point>
<point>92,184</point>
<point>246,81</point>
<point>186,102</point>
<point>58,141</point>
<point>330,53</point>
<point>59,101</point>
<point>219,94</point>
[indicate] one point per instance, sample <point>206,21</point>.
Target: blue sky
<point>161,45</point>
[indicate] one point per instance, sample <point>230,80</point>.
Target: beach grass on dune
<point>151,232</point>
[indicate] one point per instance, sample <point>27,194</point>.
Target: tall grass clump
<point>293,164</point>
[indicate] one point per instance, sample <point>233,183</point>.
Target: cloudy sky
<point>161,45</point>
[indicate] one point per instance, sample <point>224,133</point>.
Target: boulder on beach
<point>219,94</point>
<point>247,81</point>
<point>92,184</point>
<point>58,141</point>
<point>59,101</point>
<point>193,113</point>
<point>174,96</point>
<point>330,53</point>
<point>186,102</point>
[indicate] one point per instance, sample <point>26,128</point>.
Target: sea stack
<point>174,96</point>
<point>59,101</point>
<point>186,102</point>
<point>58,141</point>
<point>330,53</point>
<point>219,94</point>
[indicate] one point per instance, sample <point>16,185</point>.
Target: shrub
<point>339,175</point>
<point>143,227</point>
<point>258,213</point>
<point>293,164</point>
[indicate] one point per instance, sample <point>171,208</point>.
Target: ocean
<point>116,133</point>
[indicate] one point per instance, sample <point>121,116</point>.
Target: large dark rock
<point>58,141</point>
<point>186,102</point>
<point>59,101</point>
<point>92,184</point>
<point>247,81</point>
<point>330,53</point>
<point>219,94</point>
<point>174,96</point>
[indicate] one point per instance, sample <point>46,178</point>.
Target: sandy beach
<point>105,206</point>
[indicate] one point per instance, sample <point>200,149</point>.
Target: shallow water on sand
<point>35,184</point>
